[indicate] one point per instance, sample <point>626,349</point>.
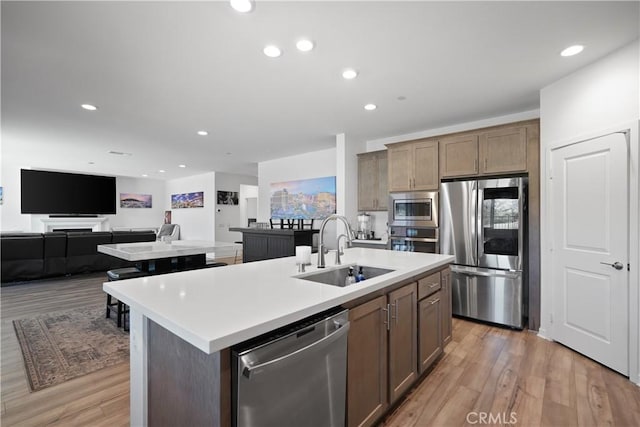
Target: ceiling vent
<point>119,153</point>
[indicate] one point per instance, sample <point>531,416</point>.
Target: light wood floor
<point>484,369</point>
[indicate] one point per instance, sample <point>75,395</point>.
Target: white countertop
<point>140,251</point>
<point>215,308</point>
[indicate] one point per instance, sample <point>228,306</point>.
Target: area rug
<point>63,345</point>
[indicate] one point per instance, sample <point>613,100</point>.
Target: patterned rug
<point>63,345</point>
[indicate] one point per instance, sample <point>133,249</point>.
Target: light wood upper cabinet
<point>367,363</point>
<point>413,166</point>
<point>503,150</point>
<point>425,166</point>
<point>459,156</point>
<point>399,162</point>
<point>372,181</point>
<point>402,340</point>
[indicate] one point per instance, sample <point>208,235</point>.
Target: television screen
<point>44,192</point>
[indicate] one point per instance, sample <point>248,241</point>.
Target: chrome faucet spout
<point>321,249</point>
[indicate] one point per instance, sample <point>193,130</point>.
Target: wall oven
<point>413,209</point>
<point>414,239</point>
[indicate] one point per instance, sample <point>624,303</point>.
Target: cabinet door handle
<point>475,165</point>
<point>435,301</point>
<point>394,307</point>
<point>485,164</point>
<point>433,285</point>
<point>387,321</point>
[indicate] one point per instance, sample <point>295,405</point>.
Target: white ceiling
<point>160,71</point>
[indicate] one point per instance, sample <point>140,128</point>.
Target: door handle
<point>617,265</point>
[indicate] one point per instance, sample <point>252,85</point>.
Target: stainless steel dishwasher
<point>295,376</point>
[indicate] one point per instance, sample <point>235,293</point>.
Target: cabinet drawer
<point>428,285</point>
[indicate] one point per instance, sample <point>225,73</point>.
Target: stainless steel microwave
<point>413,209</point>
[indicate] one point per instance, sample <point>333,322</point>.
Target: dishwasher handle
<point>342,329</point>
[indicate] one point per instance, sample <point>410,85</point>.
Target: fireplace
<point>75,224</point>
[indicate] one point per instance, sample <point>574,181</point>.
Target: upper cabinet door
<point>459,156</point>
<point>367,181</point>
<point>382,199</point>
<point>503,150</point>
<point>372,181</point>
<point>425,166</point>
<point>399,164</point>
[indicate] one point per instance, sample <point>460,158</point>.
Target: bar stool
<point>121,308</point>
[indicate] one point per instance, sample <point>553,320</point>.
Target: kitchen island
<point>267,243</point>
<point>205,312</point>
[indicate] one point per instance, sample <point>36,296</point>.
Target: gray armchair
<point>169,232</point>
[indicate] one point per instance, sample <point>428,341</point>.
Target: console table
<point>266,243</point>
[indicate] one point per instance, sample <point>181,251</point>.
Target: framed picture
<point>1,195</point>
<point>132,200</point>
<point>305,199</point>
<point>227,197</point>
<point>187,200</point>
<point>167,217</point>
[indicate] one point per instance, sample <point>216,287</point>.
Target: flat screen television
<point>44,192</point>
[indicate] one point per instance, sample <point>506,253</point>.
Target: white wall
<point>315,164</point>
<point>13,220</point>
<point>347,178</point>
<point>10,217</point>
<point>226,215</point>
<point>598,99</point>
<point>139,218</point>
<point>248,204</point>
<point>195,223</point>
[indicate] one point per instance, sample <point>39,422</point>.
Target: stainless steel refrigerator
<point>483,224</point>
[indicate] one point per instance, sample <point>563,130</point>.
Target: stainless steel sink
<point>337,276</point>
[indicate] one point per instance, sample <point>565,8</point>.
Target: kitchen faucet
<point>321,249</point>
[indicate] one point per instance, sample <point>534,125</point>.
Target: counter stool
<point>121,308</point>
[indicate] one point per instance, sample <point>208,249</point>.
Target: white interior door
<point>589,207</point>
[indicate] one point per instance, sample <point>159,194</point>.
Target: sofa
<point>29,256</point>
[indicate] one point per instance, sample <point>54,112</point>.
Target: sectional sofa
<point>29,256</point>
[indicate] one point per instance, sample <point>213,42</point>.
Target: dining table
<point>167,256</point>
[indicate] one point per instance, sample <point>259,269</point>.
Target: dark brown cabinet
<point>382,345</point>
<point>402,340</point>
<point>393,339</point>
<point>447,326</point>
<point>430,330</point>
<point>367,363</point>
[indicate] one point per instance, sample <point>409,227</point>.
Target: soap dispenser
<point>360,276</point>
<point>350,278</point>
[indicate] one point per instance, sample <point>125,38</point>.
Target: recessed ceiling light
<point>89,107</point>
<point>228,153</point>
<point>203,133</point>
<point>161,171</point>
<point>272,51</point>
<point>572,50</point>
<point>92,163</point>
<point>304,45</point>
<point>402,98</point>
<point>242,6</point>
<point>370,107</point>
<point>349,74</point>
<point>144,175</point>
<point>182,166</point>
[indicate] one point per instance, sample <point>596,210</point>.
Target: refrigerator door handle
<point>483,273</point>
<point>479,225</point>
